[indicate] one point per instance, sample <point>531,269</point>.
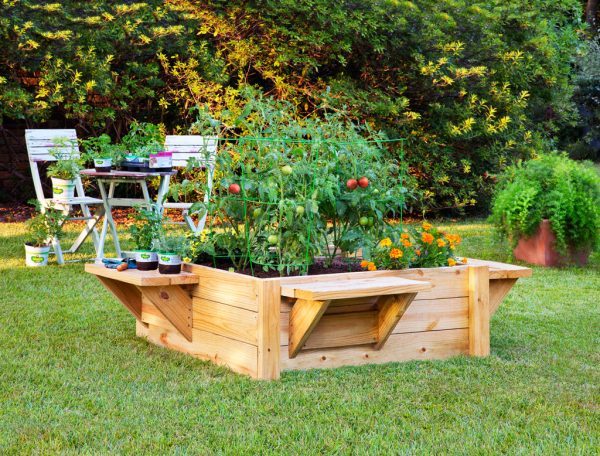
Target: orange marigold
<point>451,262</point>
<point>404,236</point>
<point>364,263</point>
<point>426,226</point>
<point>453,238</point>
<point>406,243</point>
<point>427,238</point>
<point>418,252</point>
<point>396,253</point>
<point>385,242</point>
<point>441,242</point>
<point>372,267</point>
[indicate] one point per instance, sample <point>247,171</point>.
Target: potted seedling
<point>42,229</point>
<point>142,140</point>
<point>549,208</point>
<point>145,233</point>
<point>64,170</point>
<point>104,154</point>
<point>171,249</point>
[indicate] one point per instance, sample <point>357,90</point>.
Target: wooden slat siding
<point>222,319</point>
<point>175,304</point>
<point>479,311</point>
<point>238,356</point>
<point>446,282</point>
<point>399,347</point>
<point>423,315</point>
<point>501,270</point>
<point>360,287</point>
<point>41,141</point>
<point>185,147</point>
<point>227,287</point>
<point>269,295</point>
<point>498,290</point>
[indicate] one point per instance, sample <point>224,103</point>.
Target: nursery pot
<point>36,256</point>
<point>103,165</point>
<point>169,263</point>
<point>63,189</point>
<point>541,249</point>
<point>161,162</point>
<point>146,260</point>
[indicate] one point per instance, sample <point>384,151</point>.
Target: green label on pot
<point>166,259</point>
<point>145,256</point>
<point>37,258</point>
<point>57,190</point>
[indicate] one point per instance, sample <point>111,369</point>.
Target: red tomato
<point>351,184</point>
<point>363,182</point>
<point>234,188</point>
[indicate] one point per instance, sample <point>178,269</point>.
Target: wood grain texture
<point>391,309</point>
<point>499,270</point>
<point>358,288</point>
<point>141,278</point>
<point>127,294</point>
<point>305,315</point>
<point>175,305</point>
<point>269,295</point>
<point>498,291</point>
<point>479,311</point>
<point>218,318</point>
<point>399,347</point>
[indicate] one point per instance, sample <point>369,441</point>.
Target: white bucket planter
<point>146,260</point>
<point>169,263</point>
<point>63,189</point>
<point>36,256</point>
<point>102,164</point>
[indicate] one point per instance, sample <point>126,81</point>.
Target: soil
<point>169,268</point>
<point>319,267</point>
<point>147,265</point>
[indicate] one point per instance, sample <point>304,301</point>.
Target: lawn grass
<point>74,378</point>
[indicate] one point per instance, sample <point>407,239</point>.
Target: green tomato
<point>273,239</point>
<point>364,221</point>
<point>257,212</point>
<point>286,170</point>
<point>300,210</point>
<point>371,221</point>
<point>375,191</point>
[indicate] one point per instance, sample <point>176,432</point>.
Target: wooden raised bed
<point>261,327</point>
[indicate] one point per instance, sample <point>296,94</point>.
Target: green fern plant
<point>551,187</point>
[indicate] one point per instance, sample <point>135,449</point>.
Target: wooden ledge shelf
<point>394,294</point>
<point>131,287</point>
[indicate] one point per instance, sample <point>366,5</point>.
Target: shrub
<point>551,187</point>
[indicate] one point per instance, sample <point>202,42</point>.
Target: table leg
<point>108,220</point>
<point>163,189</point>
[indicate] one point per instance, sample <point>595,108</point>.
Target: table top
<point>124,174</point>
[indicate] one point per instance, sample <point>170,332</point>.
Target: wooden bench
<point>312,300</point>
<point>164,291</point>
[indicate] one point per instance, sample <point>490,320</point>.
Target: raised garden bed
<point>263,326</point>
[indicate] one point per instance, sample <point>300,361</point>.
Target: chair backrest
<point>184,147</point>
<point>41,142</point>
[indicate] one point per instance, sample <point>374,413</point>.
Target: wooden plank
<point>399,347</point>
<point>446,282</point>
<point>175,304</point>
<point>237,356</point>
<point>501,270</point>
<point>479,311</point>
<point>358,327</point>
<point>391,310</point>
<point>152,316</point>
<point>141,278</point>
<point>269,294</point>
<point>368,286</point>
<point>218,318</point>
<point>498,291</point>
<point>127,294</point>
<point>303,318</point>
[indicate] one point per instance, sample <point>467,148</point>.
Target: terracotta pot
<point>541,249</point>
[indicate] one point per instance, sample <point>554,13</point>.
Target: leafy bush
<point>147,227</point>
<point>473,85</point>
<point>68,161</point>
<point>551,187</point>
<point>44,226</point>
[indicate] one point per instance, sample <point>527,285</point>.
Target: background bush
<point>473,85</point>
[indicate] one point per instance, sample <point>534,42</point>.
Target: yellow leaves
<point>29,45</point>
<point>411,115</point>
<point>145,39</point>
<point>58,35</point>
<point>107,16</point>
<point>465,127</point>
<point>76,77</point>
<point>491,114</point>
<point>455,47</point>
<point>512,56</point>
<point>444,81</point>
<point>163,103</point>
<point>89,85</point>
<point>477,71</point>
<point>466,166</point>
<point>43,92</point>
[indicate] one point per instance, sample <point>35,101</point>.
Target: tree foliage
<point>471,84</point>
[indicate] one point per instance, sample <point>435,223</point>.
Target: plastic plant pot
<point>36,256</point>
<point>169,263</point>
<point>62,189</point>
<point>103,165</point>
<point>146,260</point>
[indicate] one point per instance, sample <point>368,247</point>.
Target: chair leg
<point>90,228</point>
<point>57,250</point>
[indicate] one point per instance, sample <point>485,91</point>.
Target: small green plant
<point>171,243</point>
<point>143,138</point>
<point>147,228</point>
<point>68,162</point>
<point>98,147</point>
<point>44,226</point>
<point>551,187</point>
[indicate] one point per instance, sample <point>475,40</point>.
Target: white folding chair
<point>204,150</point>
<point>39,144</point>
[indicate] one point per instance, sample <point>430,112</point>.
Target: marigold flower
<point>426,226</point>
<point>372,267</point>
<point>464,260</point>
<point>427,238</point>
<point>396,253</point>
<point>364,263</point>
<point>404,236</point>
<point>385,242</point>
<point>453,239</point>
<point>451,262</point>
<point>441,242</point>
<point>418,252</point>
<point>406,243</point>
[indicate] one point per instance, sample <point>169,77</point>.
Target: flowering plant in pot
<point>42,228</point>
<point>145,233</point>
<point>549,208</point>
<point>64,170</point>
<point>171,249</point>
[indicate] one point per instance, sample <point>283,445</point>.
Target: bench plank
<point>142,278</point>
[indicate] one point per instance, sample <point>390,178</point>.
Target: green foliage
<point>96,147</point>
<point>68,161</point>
<point>473,85</point>
<point>143,139</point>
<point>44,226</point>
<point>172,243</point>
<point>147,227</point>
<point>551,187</point>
